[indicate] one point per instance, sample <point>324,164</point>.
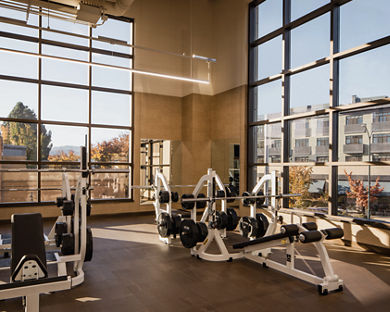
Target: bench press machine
<point>29,277</point>
<point>260,249</point>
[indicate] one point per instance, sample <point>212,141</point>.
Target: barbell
<point>213,198</point>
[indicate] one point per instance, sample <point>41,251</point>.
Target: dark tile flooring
<point>132,270</point>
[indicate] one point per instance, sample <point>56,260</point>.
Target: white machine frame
<point>260,252</point>
<point>161,184</point>
<point>213,182</point>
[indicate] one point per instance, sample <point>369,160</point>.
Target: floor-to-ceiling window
<point>49,107</point>
<point>319,102</point>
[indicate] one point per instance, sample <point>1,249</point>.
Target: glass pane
<point>311,41</point>
<point>64,104</point>
<point>354,130</point>
<point>363,21</point>
<point>266,101</point>
<point>107,185</point>
<point>354,202</point>
<point>53,181</point>
<point>312,183</point>
<point>18,186</point>
<point>111,108</point>
<point>19,15</point>
<point>19,139</point>
<point>266,143</point>
<point>309,90</point>
<point>110,145</point>
<point>16,64</point>
<point>309,139</point>
<point>269,17</point>
<point>64,143</point>
<point>303,7</point>
<point>257,172</point>
<point>65,26</point>
<point>114,29</point>
<point>111,78</point>
<point>57,70</point>
<point>267,59</point>
<point>365,76</point>
<point>13,93</point>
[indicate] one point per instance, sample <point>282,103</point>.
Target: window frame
<point>39,82</point>
<point>335,108</point>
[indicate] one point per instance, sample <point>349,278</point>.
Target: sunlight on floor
<point>129,233</point>
<point>88,299</point>
<point>145,228</point>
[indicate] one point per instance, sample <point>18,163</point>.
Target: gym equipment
<point>29,277</point>
<point>168,220</point>
<point>261,231</point>
<point>218,220</point>
<point>258,250</point>
<point>70,239</point>
<point>256,224</point>
<point>192,232</point>
<point>232,219</point>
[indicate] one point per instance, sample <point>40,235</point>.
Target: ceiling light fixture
<point>130,70</point>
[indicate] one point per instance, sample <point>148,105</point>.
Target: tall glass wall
<point>319,102</point>
<point>50,107</point>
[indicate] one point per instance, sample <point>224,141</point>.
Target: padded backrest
<point>27,238</point>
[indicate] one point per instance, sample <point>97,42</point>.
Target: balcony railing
<point>353,128</point>
<point>274,151</point>
<point>322,150</point>
<point>302,151</point>
<point>302,132</point>
<point>380,125</point>
<point>380,148</point>
<point>353,148</point>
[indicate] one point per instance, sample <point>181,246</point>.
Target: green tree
<point>25,134</point>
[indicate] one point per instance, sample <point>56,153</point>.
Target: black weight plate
<point>176,221</point>
<point>174,197</point>
<point>221,220</point>
<point>229,193</point>
<point>189,233</point>
<point>67,247</point>
<point>163,197</point>
<point>248,227</point>
<point>262,223</point>
<point>201,204</point>
<point>247,201</point>
<point>164,225</point>
<point>203,231</point>
<point>260,201</point>
<point>187,205</point>
<point>232,219</point>
<point>220,193</point>
<point>89,246</point>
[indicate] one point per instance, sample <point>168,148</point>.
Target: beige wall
<point>215,28</point>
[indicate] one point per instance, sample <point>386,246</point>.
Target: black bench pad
<point>262,240</point>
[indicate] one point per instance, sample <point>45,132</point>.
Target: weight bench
<point>29,276</point>
<point>258,250</point>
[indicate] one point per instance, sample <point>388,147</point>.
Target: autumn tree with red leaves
<point>116,149</point>
<point>360,192</point>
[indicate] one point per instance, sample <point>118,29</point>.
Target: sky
<point>365,75</point>
<point>67,104</point>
